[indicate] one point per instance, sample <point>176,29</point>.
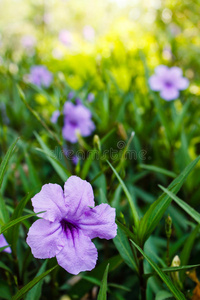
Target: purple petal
<point>99,222</point>
<point>49,199</point>
<point>182,83</point>
<point>45,238</point>
<point>79,253</point>
<point>176,72</point>
<point>76,118</point>
<point>169,94</point>
<point>55,116</point>
<point>69,133</point>
<point>78,195</point>
<point>161,70</point>
<point>156,83</point>
<point>86,127</point>
<point>68,108</point>
<point>82,112</point>
<point>4,243</point>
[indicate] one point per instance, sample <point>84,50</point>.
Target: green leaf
<point>3,266</point>
<point>126,230</point>
<point>4,215</point>
<point>3,248</point>
<point>5,161</point>
<point>187,208</point>
<point>177,294</point>
<point>173,269</point>
<point>162,295</point>
<point>154,214</point>
<point>13,234</point>
<point>186,252</point>
<point>35,292</point>
<point>122,244</point>
<point>31,284</point>
<point>16,221</point>
<point>158,170</point>
<point>61,171</point>
<point>129,198</point>
<point>37,116</point>
<point>83,286</point>
<point>89,162</point>
<point>103,289</point>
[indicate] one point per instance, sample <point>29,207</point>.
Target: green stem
<point>143,283</point>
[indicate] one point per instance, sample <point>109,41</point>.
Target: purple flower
<point>55,116</point>
<point>90,97</point>
<point>75,160</point>
<point>168,81</point>
<point>65,37</point>
<point>78,101</point>
<point>40,76</point>
<point>68,224</point>
<point>4,243</point>
<point>70,95</point>
<point>77,118</point>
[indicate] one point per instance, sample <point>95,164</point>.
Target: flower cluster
<point>77,119</point>
<point>69,223</point>
<point>40,76</point>
<point>168,81</point>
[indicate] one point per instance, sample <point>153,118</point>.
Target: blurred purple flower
<point>89,33</point>
<point>77,118</point>
<point>78,101</point>
<point>4,243</point>
<point>68,224</point>
<point>40,76</point>
<point>28,42</point>
<point>75,160</point>
<point>55,116</point>
<point>168,81</point>
<point>90,97</point>
<point>70,95</point>
<point>65,37</point>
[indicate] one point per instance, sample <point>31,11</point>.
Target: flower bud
<point>168,227</point>
<point>97,142</point>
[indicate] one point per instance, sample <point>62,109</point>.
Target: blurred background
<point>107,48</point>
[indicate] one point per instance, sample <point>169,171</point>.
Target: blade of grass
<point>31,284</point>
<point>103,289</point>
<point>177,294</point>
<point>6,159</point>
<point>156,211</point>
<point>187,208</point>
<point>129,198</point>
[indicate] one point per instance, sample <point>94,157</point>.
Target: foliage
<point>125,170</point>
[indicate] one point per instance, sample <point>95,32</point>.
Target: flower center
<point>168,84</point>
<point>67,225</point>
<point>73,123</point>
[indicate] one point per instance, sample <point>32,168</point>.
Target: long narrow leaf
<point>187,208</point>
<point>31,284</point>
<point>122,244</point>
<point>5,161</point>
<point>103,289</point>
<point>156,211</point>
<point>129,198</point>
<point>177,294</point>
<point>61,171</point>
<point>16,221</point>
